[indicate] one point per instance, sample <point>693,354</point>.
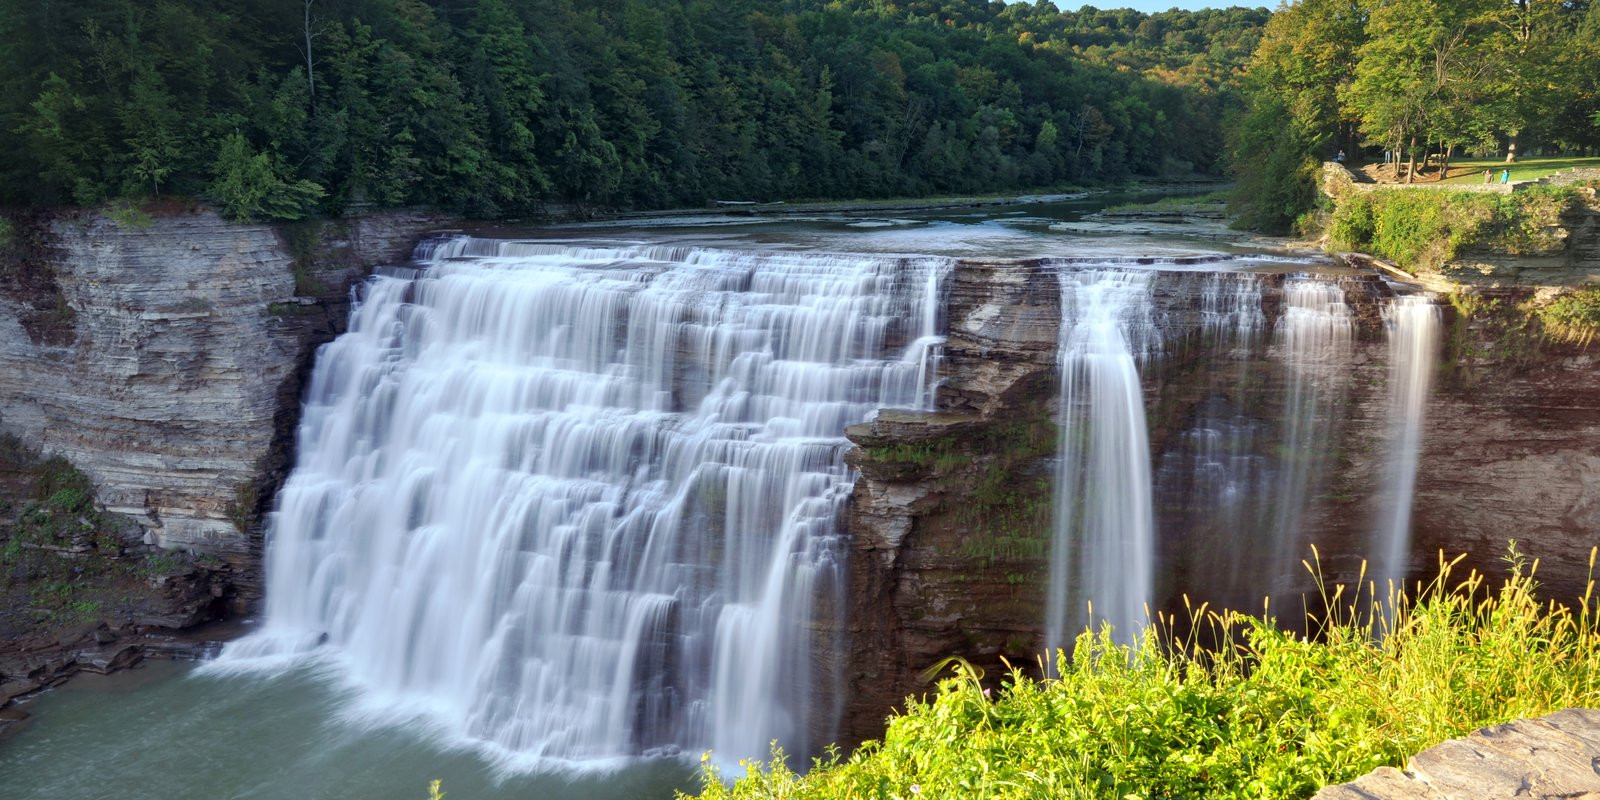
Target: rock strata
<point>177,387</point>
<point>951,520</point>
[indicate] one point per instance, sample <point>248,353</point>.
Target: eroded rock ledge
<point>1556,756</point>
<point>950,523</point>
<point>174,377</point>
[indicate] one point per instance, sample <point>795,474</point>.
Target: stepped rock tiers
<point>174,377</point>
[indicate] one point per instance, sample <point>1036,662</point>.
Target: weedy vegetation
<point>1228,705</point>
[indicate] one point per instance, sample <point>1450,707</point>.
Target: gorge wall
<point>164,357</point>
<point>951,519</point>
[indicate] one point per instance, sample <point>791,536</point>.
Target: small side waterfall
<point>580,503</point>
<point>1413,328</point>
<point>1315,340</point>
<point>1102,548</point>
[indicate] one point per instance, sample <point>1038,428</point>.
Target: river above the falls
<point>306,731</point>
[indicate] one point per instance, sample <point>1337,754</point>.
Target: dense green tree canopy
<point>279,108</point>
<point>1411,76</point>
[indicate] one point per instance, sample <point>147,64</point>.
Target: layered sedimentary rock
<point>951,521</point>
<point>952,518</point>
<point>1512,447</point>
<point>173,376</point>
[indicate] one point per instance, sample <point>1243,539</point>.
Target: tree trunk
<point>1444,168</point>
<point>1511,149</point>
<point>1411,161</point>
<point>311,79</point>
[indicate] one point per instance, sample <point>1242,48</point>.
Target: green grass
<point>1573,318</point>
<point>1259,713</point>
<point>1527,169</point>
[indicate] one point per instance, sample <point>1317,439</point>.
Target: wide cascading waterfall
<point>1413,327</point>
<point>1102,550</point>
<point>579,503</point>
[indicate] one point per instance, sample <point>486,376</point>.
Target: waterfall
<point>580,503</point>
<point>1212,472</point>
<point>1315,340</point>
<point>1413,327</point>
<point>1103,543</point>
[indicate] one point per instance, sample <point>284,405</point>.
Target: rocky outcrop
<point>1556,756</point>
<point>176,385</point>
<point>1512,446</point>
<point>950,520</point>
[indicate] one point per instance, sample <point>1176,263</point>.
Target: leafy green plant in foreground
<point>1261,713</point>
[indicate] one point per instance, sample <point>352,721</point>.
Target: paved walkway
<point>1551,757</point>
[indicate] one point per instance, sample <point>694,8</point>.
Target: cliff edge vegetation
<point>78,585</point>
<point>1253,712</point>
<point>1424,231</point>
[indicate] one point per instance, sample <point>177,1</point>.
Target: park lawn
<point>1470,170</point>
<point>1527,169</point>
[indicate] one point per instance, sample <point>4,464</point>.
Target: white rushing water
<point>1413,327</point>
<point>1315,340</point>
<point>1102,550</point>
<point>578,504</point>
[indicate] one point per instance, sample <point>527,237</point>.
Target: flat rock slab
<point>1557,756</point>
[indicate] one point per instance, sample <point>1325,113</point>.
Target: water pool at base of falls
<point>169,730</point>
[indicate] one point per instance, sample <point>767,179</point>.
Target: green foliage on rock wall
<point>1573,317</point>
<point>1421,230</point>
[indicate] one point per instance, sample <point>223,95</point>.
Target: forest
<point>1439,77</point>
<point>281,109</point>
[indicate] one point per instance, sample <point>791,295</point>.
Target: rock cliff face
<point>1512,446</point>
<point>173,374</point>
<point>951,520</point>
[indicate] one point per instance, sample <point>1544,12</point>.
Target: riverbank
<point>743,208</point>
<point>1197,216</point>
<point>80,591</point>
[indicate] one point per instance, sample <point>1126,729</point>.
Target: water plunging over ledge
<point>581,503</point>
<point>1102,552</point>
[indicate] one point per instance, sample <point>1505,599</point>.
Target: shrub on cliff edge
<point>1423,229</point>
<point>1264,714</point>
